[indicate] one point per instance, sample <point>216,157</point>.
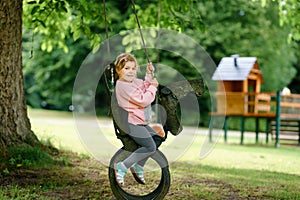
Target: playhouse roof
<point>227,70</point>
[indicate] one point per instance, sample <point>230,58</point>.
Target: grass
<point>233,183</point>
<point>229,171</point>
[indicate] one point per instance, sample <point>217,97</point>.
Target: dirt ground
<point>86,178</point>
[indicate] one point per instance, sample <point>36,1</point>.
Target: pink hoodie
<point>134,97</point>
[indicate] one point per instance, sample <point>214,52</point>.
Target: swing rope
<point>106,30</point>
<point>158,58</point>
<point>157,128</point>
<point>140,30</point>
<point>108,46</point>
<point>108,88</point>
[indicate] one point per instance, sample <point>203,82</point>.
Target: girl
<point>135,96</point>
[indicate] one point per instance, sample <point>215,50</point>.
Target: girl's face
<point>128,72</point>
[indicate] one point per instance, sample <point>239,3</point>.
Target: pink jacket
<point>134,97</point>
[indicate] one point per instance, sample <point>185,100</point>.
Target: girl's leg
<point>142,135</point>
<point>152,132</point>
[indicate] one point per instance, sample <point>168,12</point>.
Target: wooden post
<point>242,129</point>
<point>256,129</point>
<point>210,129</point>
<point>267,130</point>
<point>298,133</point>
<point>277,142</point>
<point>225,128</point>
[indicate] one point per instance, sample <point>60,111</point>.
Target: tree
<point>49,76</point>
<point>61,55</point>
<point>14,126</point>
<point>54,20</point>
<point>295,84</point>
<point>289,12</point>
<point>246,28</point>
<point>231,27</point>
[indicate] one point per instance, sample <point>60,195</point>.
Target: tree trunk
<point>15,127</point>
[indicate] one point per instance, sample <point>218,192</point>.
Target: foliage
<point>50,69</point>
<point>175,15</point>
<point>55,68</point>
<point>289,12</point>
<point>221,27</point>
<point>49,76</point>
<point>295,84</point>
<point>247,29</point>
<point>58,20</point>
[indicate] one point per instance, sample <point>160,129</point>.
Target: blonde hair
<point>122,59</point>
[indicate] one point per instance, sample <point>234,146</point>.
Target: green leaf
<point>76,34</point>
<point>43,46</point>
<point>95,48</point>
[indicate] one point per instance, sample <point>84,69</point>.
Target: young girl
<point>135,96</point>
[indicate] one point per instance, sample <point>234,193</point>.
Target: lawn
<point>228,171</point>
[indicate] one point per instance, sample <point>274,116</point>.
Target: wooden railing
<point>260,104</point>
<point>270,105</point>
<point>290,106</point>
<point>250,103</point>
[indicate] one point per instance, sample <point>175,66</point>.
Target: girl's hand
<point>150,68</point>
<point>154,82</point>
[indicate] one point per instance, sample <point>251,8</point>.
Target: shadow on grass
<point>71,176</point>
<point>32,173</point>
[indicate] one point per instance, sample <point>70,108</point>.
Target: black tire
<point>160,190</point>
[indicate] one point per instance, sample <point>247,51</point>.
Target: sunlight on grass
<point>61,129</point>
<point>58,127</point>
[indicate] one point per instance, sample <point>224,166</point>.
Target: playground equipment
<point>159,179</point>
<point>239,82</point>
<point>167,97</point>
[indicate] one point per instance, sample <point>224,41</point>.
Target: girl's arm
<point>142,98</point>
<point>135,95</point>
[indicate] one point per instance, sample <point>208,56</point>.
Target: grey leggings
<point>142,135</point>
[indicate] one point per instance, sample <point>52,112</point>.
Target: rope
<point>106,30</point>
<point>157,112</point>
<point>108,46</point>
<point>158,32</point>
<point>138,22</point>
<point>108,52</point>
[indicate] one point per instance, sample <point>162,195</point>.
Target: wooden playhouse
<point>236,76</point>
<point>239,94</point>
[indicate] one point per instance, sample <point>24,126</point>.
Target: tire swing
<point>158,178</point>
